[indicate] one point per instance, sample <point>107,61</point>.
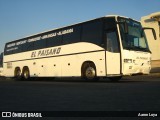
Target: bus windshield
<point>135,39</point>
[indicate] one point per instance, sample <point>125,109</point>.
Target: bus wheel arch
<point>26,73</point>
<point>17,73</point>
<point>88,71</point>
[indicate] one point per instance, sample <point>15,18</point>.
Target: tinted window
<point>92,32</point>
<point>112,42</point>
<point>110,24</point>
<point>72,37</point>
<point>18,49</point>
<point>8,50</point>
<point>28,46</point>
<point>40,44</point>
<point>54,41</point>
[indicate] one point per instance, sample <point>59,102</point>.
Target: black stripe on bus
<point>57,56</point>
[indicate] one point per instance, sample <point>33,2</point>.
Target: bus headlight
<point>127,60</point>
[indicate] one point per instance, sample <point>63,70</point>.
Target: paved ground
<point>136,93</point>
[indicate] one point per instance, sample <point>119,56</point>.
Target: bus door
<point>112,53</point>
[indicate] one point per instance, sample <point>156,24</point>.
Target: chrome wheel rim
<point>26,74</point>
<point>18,73</point>
<point>90,73</point>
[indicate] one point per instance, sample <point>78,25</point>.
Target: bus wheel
<point>17,73</point>
<point>89,72</point>
<point>26,74</point>
<point>115,79</point>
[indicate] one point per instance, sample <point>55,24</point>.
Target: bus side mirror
<point>153,31</point>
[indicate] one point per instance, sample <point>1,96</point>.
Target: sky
<point>20,18</point>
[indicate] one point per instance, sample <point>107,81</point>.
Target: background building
<point>153,21</point>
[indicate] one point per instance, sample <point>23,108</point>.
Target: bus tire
<point>17,73</point>
<point>26,73</point>
<point>115,79</point>
<point>89,72</point>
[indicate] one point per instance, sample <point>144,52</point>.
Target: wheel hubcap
<point>18,73</point>
<point>90,73</point>
<point>26,73</point>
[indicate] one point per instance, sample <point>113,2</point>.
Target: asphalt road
<point>135,93</point>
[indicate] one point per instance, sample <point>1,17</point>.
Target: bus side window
<point>112,42</point>
<point>40,44</point>
<point>28,46</point>
<point>72,37</point>
<point>54,41</point>
<point>92,32</point>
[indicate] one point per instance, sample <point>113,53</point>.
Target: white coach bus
<point>110,46</point>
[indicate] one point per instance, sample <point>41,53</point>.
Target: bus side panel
<point>71,65</point>
<point>76,54</point>
<point>49,67</point>
<point>66,62</point>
